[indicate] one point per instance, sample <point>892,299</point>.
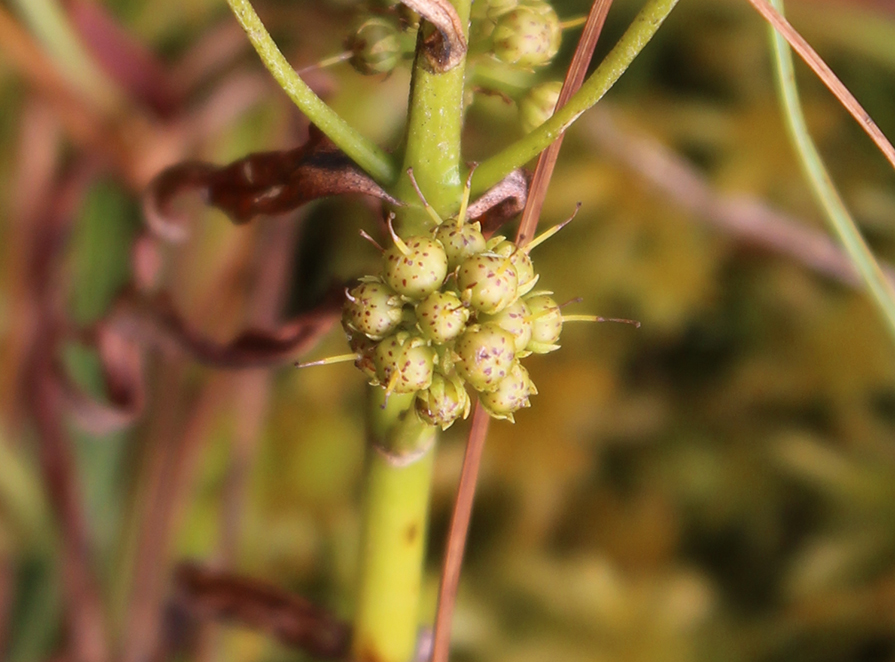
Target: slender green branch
<point>638,34</point>
<point>378,164</point>
<point>840,220</point>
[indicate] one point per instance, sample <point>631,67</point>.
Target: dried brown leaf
<point>262,183</point>
<point>210,594</point>
<point>155,321</point>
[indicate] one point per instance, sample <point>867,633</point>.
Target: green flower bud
<point>460,242</point>
<point>527,36</point>
<point>487,282</point>
<point>444,401</point>
<point>538,105</point>
<point>546,323</point>
<point>511,394</point>
<point>372,308</point>
<point>375,47</point>
<point>515,318</point>
<point>404,363</point>
<point>484,355</point>
<point>418,272</point>
<point>441,317</point>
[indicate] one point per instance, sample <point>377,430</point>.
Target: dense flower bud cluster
<point>452,310</point>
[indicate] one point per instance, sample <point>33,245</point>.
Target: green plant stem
<point>398,480</point>
<point>822,185</point>
<point>378,164</point>
<point>397,491</point>
<point>432,140</point>
<point>638,34</point>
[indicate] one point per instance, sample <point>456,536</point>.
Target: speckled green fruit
<point>460,242</point>
<point>417,273</point>
<point>527,36</point>
<point>372,308</point>
<point>525,270</point>
<point>546,323</point>
<point>487,282</point>
<point>404,363</point>
<point>441,317</point>
<point>511,394</point>
<point>444,401</point>
<point>515,318</point>
<point>484,355</point>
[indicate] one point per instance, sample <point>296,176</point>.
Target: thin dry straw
<point>456,543</point>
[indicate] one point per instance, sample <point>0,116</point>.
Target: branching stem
<point>369,156</point>
<point>641,30</point>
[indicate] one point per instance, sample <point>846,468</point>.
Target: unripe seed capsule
<point>372,308</point>
<point>417,272</point>
<point>404,364</point>
<point>441,317</point>
<point>546,323</point>
<point>460,242</point>
<point>375,47</point>
<point>525,270</point>
<point>444,401</point>
<point>511,394</point>
<point>515,318</point>
<point>527,36</point>
<point>484,355</point>
<point>538,105</point>
<point>487,282</point>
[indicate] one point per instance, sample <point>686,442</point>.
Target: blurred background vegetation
<point>718,485</point>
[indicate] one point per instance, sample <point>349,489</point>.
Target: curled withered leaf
<point>446,46</point>
<point>156,322</point>
<point>261,183</point>
<point>501,202</point>
<point>122,369</point>
<point>210,594</point>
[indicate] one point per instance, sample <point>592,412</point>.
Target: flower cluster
<point>506,38</point>
<point>450,310</point>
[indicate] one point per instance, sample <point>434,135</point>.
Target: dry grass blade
<point>813,60</point>
<point>574,78</point>
<point>469,474</point>
<point>456,543</point>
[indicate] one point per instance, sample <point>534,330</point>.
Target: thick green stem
<point>362,151</point>
<point>824,190</point>
<point>399,470</point>
<point>398,480</point>
<point>432,141</point>
<point>640,32</point>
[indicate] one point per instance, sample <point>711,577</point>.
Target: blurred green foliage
<point>719,485</point>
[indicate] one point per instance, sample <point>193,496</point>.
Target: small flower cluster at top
<point>448,310</point>
<point>523,35</point>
